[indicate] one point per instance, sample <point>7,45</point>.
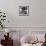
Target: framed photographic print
<point>23,10</point>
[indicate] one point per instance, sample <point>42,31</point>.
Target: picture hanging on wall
<point>23,10</point>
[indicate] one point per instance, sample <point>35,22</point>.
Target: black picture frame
<point>23,10</point>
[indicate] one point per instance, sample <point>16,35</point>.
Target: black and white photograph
<point>23,10</point>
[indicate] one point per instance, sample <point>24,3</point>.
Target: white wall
<point>37,13</point>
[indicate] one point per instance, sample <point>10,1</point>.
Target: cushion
<point>26,39</point>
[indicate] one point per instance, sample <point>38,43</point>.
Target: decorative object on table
<point>23,10</point>
<point>2,18</point>
<point>7,30</point>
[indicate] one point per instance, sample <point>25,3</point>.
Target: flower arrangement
<point>2,19</point>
